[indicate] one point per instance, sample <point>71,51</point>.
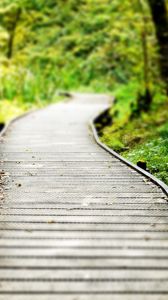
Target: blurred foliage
<point>48,45</point>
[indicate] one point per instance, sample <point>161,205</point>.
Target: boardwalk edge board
<point>155,180</point>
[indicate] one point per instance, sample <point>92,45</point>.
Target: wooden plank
<point>87,287</point>
<point>78,296</point>
<point>50,263</point>
<point>83,275</point>
<point>87,229</point>
<point>84,253</point>
<point>85,243</point>
<point>84,212</point>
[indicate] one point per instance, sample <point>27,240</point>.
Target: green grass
<point>144,138</point>
<point>22,90</point>
<point>154,151</point>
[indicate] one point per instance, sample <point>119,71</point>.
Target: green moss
<point>154,151</point>
<point>144,138</point>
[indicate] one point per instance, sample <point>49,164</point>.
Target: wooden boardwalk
<point>76,223</point>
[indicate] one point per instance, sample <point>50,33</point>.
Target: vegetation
<point>47,46</point>
<point>140,139</point>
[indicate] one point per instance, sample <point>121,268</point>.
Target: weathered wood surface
<point>75,222</point>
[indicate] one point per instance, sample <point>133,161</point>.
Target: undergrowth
<point>47,46</point>
<point>144,138</point>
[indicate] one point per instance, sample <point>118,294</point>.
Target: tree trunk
<point>12,34</point>
<point>160,19</point>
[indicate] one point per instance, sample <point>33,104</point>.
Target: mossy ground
<point>144,138</point>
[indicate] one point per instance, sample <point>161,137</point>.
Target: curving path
<point>76,223</point>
